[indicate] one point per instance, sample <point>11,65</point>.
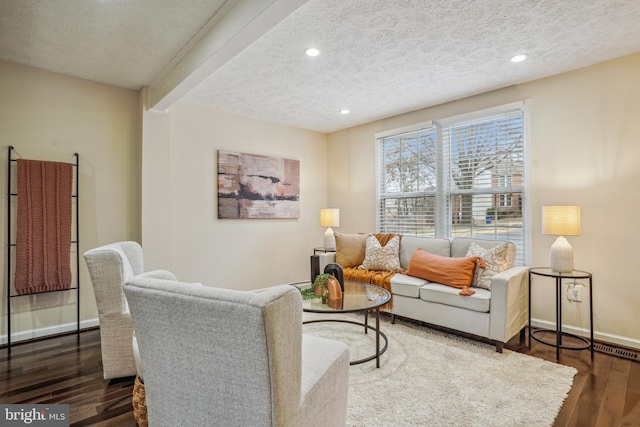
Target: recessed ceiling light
<point>344,111</point>
<point>312,51</point>
<point>519,58</point>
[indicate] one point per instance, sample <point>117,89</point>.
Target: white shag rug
<point>430,378</point>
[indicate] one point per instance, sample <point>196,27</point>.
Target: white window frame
<point>442,210</point>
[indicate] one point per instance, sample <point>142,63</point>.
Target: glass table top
<point>546,271</point>
<point>356,297</point>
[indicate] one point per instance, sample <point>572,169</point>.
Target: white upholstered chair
<point>109,267</point>
<point>216,356</point>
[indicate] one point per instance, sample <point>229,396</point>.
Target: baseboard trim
<point>32,334</point>
<point>597,336</point>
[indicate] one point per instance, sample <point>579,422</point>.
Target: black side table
<point>322,250</point>
<point>315,261</point>
<point>559,277</point>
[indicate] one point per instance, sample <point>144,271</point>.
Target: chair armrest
<point>508,303</point>
<point>158,274</point>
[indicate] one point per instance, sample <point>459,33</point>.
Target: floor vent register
<point>625,353</point>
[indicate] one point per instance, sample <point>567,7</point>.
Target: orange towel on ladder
<point>43,229</point>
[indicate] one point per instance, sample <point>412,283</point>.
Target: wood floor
<point>605,392</point>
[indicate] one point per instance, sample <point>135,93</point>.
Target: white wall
<point>239,254</point>
<point>156,182</point>
<point>47,116</point>
<point>585,150</point>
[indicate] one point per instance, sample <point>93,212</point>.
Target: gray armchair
<point>216,356</point>
<point>109,267</point>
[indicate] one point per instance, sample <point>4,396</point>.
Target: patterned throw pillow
<point>381,258</point>
<point>496,260</point>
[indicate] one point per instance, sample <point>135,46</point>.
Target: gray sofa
<point>496,315</point>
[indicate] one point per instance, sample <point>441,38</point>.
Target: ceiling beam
<point>234,27</point>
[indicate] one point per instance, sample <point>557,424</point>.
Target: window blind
<point>407,183</point>
<point>485,180</point>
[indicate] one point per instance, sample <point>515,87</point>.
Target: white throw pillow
<point>382,258</point>
<point>496,259</point>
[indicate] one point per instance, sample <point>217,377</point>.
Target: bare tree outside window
<point>410,163</point>
<point>489,148</point>
<point>409,183</point>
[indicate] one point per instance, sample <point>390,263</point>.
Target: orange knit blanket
<point>43,229</point>
<point>380,278</point>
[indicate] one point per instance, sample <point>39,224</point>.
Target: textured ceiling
<point>379,57</point>
<point>125,43</point>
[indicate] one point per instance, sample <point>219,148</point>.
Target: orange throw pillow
<point>455,272</point>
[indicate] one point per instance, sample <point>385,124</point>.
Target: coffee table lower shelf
<point>379,351</point>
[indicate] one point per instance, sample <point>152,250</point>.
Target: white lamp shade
<point>561,220</point>
<point>330,217</point>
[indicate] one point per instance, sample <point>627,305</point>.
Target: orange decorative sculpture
<point>335,293</point>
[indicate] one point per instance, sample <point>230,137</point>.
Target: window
<point>462,176</point>
<point>505,181</point>
<point>504,200</point>
<point>407,203</point>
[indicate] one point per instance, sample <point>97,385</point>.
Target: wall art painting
<point>254,186</point>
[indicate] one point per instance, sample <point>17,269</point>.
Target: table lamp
<point>561,221</point>
<point>329,218</point>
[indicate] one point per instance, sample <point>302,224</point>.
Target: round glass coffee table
<point>356,297</point>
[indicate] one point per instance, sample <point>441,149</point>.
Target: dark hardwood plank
<point>612,409</point>
<point>631,411</point>
<point>605,392</point>
<point>67,370</point>
<point>571,402</point>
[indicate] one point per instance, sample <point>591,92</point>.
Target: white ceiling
<point>379,57</point>
<point>124,43</point>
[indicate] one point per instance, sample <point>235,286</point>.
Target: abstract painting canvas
<point>253,186</point>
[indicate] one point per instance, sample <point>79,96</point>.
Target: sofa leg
<point>393,319</point>
<point>523,334</point>
<point>499,346</point>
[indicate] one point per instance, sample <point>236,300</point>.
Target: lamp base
<point>561,256</point>
<point>329,239</point>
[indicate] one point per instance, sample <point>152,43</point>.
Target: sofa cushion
<point>407,286</point>
<point>434,245</point>
<point>496,261</point>
<point>456,272</point>
<point>350,249</point>
<point>441,294</point>
<point>378,257</point>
